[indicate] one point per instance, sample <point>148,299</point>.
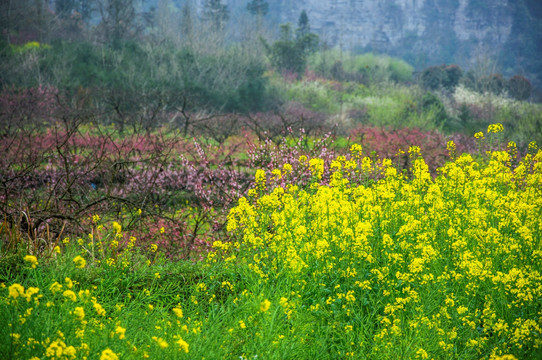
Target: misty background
<point>150,62</point>
<point>494,36</point>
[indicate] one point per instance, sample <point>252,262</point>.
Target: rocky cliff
<point>423,32</point>
<point>438,29</point>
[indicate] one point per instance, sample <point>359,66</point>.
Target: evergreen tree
<point>289,53</point>
<point>64,8</point>
<point>216,14</point>
<point>118,19</point>
<point>306,41</point>
<point>303,27</point>
<point>187,24</point>
<point>258,7</point>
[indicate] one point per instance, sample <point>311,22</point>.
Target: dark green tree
<point>432,77</point>
<point>493,83</point>
<point>15,15</point>
<point>303,26</point>
<point>431,103</point>
<point>258,7</point>
<point>64,8</point>
<point>453,75</point>
<point>187,24</point>
<point>118,19</point>
<point>284,54</point>
<point>289,53</point>
<point>305,39</point>
<point>25,20</point>
<point>519,87</point>
<point>216,14</point>
<point>441,76</point>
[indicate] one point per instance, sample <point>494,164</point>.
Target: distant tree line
<point>449,76</point>
<point>140,68</point>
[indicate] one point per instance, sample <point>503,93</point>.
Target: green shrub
<point>366,68</point>
<point>519,87</point>
<point>314,95</point>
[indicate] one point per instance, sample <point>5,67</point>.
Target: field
<point>308,249</point>
<point>179,180</point>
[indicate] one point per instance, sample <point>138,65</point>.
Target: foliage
<point>315,95</point>
<point>493,83</point>
<point>118,20</point>
<point>303,26</point>
<point>443,76</point>
<point>365,68</point>
<point>216,13</point>
<point>135,84</point>
<point>522,120</point>
<point>258,7</point>
<point>432,103</point>
<point>519,87</point>
<point>290,54</point>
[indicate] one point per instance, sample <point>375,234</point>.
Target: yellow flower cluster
<point>31,260</point>
<point>454,259</point>
<point>79,262</point>
<point>495,128</point>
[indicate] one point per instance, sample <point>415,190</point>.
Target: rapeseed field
<point>362,261</point>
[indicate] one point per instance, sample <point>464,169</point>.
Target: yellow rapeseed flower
<point>356,150</point>
<point>99,309</point>
<point>31,291</point>
<point>55,287</point>
<point>79,261</point>
<point>287,168</point>
<point>79,313</point>
<point>160,342</point>
<point>68,294</point>
<point>495,128</point>
<point>121,332</point>
<point>178,312</point>
<point>31,260</point>
<point>422,354</point>
<point>108,354</point>
<point>260,179</point>
<point>117,227</point>
<point>55,349</point>
<point>16,290</point>
<point>264,305</point>
<point>70,352</point>
<point>183,345</point>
